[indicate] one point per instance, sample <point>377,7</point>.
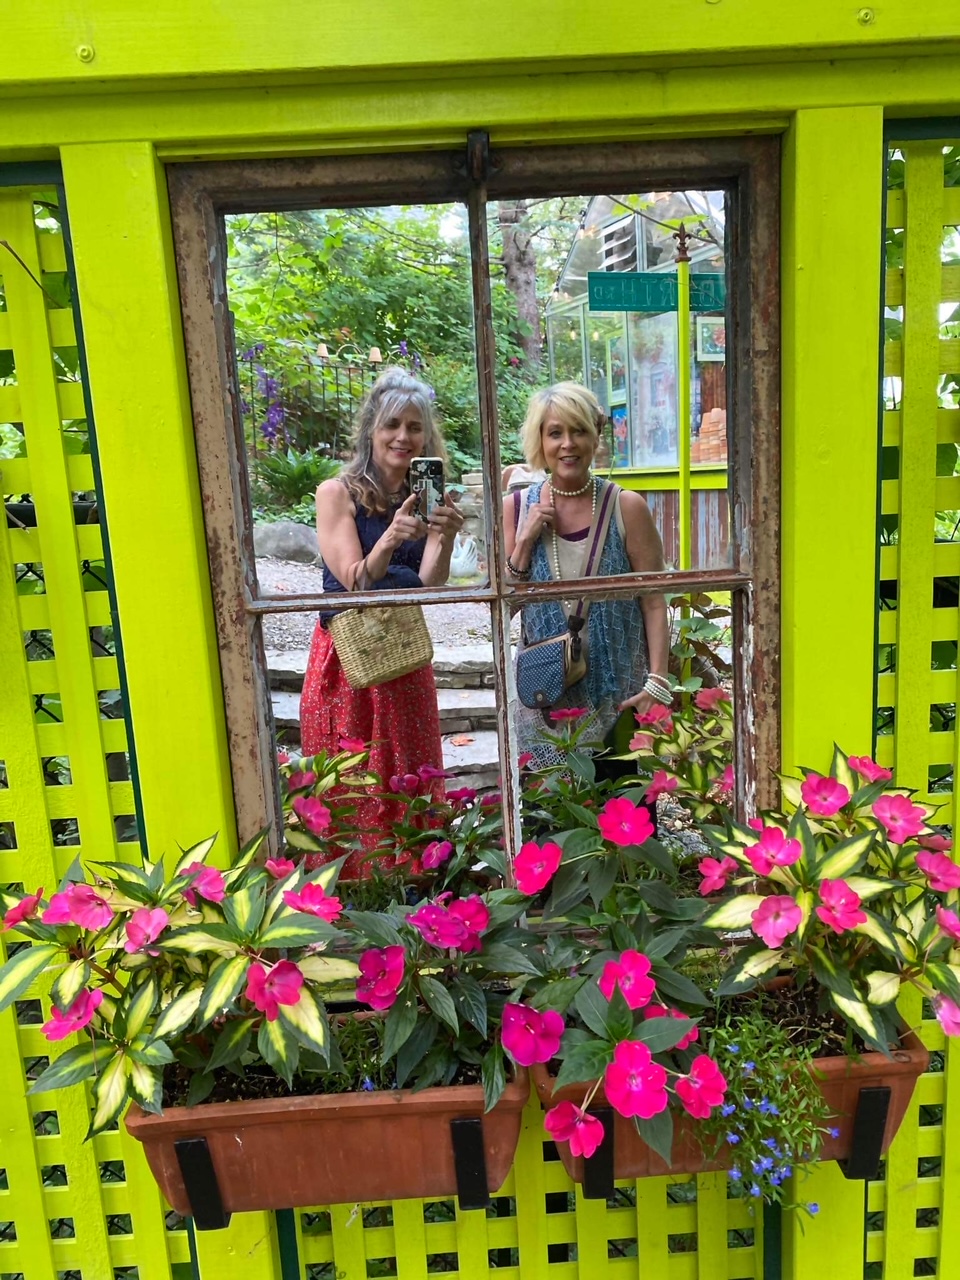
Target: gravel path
<point>449,624</point>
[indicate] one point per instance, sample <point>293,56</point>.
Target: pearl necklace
<point>555,546</point>
<point>570,493</point>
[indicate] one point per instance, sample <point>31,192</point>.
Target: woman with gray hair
<point>372,537</point>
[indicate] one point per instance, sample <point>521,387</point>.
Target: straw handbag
<point>377,644</point>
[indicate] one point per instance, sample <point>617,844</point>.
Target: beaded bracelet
<point>657,693</point>
<point>522,574</point>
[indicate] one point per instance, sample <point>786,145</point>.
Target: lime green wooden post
<point>683,404</point>
<point>119,219</point>
<point>918,460</point>
<point>832,203</point>
<point>712,1263</point>
<point>129,304</point>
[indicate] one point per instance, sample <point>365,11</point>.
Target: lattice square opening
<point>8,835</point>
<point>315,1224</point>
<point>503,1258</point>
<point>125,828</point>
<point>56,771</point>
<point>439,1211</point>
<point>928,1217</point>
<point>29,1013</point>
<point>53,1175</point>
<point>111,704</point>
<point>94,575</point>
<point>38,646</point>
<point>30,580</point>
<point>4,780</point>
<point>102,642</point>
<point>65,831</point>
<point>381,1267</point>
<point>47,708</point>
<point>62,1229</point>
<point>8,1232</point>
<point>46,1124</point>
<point>118,766</point>
<point>437,1263</point>
<point>622,1248</point>
<point>119,1224</point>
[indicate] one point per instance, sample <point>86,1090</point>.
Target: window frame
<point>747,167</point>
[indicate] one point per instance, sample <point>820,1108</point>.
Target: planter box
<point>331,1149</point>
<point>841,1080</point>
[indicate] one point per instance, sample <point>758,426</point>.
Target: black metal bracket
<point>598,1168</point>
<point>470,1163</point>
<point>869,1124</point>
<point>478,165</point>
<point>200,1180</point>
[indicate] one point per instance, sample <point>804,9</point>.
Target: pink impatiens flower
<point>145,926</point>
<point>660,784</point>
<point>430,773</point>
<point>353,745</point>
<point>457,927</point>
<point>902,819</point>
<point>726,780</point>
<point>269,989</point>
<point>75,1018</point>
<point>566,1122</point>
<point>629,973</point>
<point>25,909</point>
<point>823,796</point>
<point>937,842</point>
<point>624,823</point>
<point>942,872</point>
<point>381,974</point>
<point>659,1011</point>
<point>207,882</point>
<point>869,769</point>
<point>658,717</point>
<point>710,699</point>
<point>79,904</point>
<point>536,865</point>
<point>405,784</point>
<point>948,1015</point>
<point>841,906</point>
<point>436,853</point>
<point>949,923</point>
<point>462,795</point>
<point>635,1085</point>
<point>567,713</point>
<point>773,849</point>
<point>715,873</point>
<point>297,781</point>
<point>641,742</point>
<point>529,1036</point>
<point>314,900</point>
<point>314,815</point>
<point>775,918</point>
<point>280,868</point>
<point>703,1088</point>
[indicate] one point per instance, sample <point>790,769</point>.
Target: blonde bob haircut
<point>571,404</point>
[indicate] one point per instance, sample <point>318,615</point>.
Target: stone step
<point>471,708</point>
<point>472,663</point>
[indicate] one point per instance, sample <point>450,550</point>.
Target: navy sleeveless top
<point>403,571</point>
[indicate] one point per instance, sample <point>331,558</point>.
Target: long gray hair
<point>393,392</point>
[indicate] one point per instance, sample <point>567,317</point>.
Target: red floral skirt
<point>401,721</point>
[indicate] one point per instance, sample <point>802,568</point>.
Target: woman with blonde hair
<point>372,537</point>
<point>549,529</point>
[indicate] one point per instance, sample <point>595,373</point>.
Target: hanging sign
<point>654,291</point>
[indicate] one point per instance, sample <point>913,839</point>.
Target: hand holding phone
<point>426,480</point>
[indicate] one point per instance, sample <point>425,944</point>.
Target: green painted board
<point>653,291</point>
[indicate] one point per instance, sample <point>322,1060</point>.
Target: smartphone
<point>426,480</point>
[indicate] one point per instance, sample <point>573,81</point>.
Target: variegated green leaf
<point>326,876</point>
<point>883,933</point>
<point>862,1017</point>
<point>329,971</point>
<point>733,914</point>
<point>244,910</point>
<point>178,1014</point>
<point>275,902</point>
<point>221,988</point>
<point>867,888</point>
<point>196,853</point>
<point>145,1085</point>
<point>301,839</point>
<point>137,1007</point>
<point>21,969</point>
<point>882,988</point>
<point>944,978</point>
<point>109,1093</point>
<point>152,1052</point>
<point>78,1063</point>
<point>199,940</point>
<point>748,965</point>
<point>846,857</point>
<point>296,930</point>
<point>231,1042</point>
<point>278,1048</point>
<point>69,984</point>
<point>307,1022</point>
<point>840,769</point>
<point>790,790</point>
<point>249,850</point>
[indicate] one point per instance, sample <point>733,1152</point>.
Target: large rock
<point>286,540</point>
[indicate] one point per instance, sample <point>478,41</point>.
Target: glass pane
<point>586,290</point>
<point>355,356</point>
<point>582,748</point>
<point>428,737</point>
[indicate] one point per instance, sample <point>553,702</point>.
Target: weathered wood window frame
<point>746,167</point>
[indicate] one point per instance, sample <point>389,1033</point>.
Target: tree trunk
<point>520,272</point>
